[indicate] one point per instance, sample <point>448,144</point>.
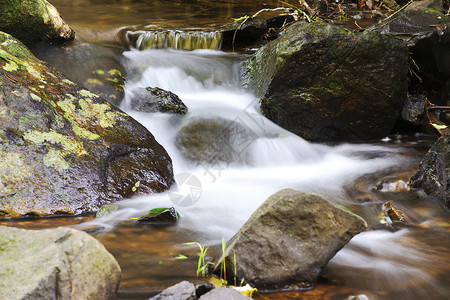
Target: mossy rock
<point>33,21</point>
<point>157,100</point>
<point>326,83</point>
<point>64,149</point>
<point>61,263</point>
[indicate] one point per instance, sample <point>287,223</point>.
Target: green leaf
<point>181,256</point>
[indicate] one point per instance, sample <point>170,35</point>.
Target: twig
<point>389,19</point>
<point>247,17</point>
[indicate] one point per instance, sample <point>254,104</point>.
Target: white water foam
<point>208,83</point>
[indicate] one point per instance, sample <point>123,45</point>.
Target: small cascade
<point>175,39</point>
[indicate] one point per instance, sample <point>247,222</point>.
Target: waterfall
<point>175,39</point>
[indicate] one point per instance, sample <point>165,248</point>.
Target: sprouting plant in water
<point>223,267</point>
<point>201,265</point>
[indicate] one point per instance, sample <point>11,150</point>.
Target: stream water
<point>215,199</point>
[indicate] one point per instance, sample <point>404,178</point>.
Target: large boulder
<point>288,240</point>
<point>63,149</point>
<point>33,21</point>
<point>327,83</point>
<point>433,175</point>
<point>59,263</point>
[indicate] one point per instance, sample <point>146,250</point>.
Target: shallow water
<point>215,199</point>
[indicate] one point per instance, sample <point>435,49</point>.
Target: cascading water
<point>175,39</point>
<point>216,198</point>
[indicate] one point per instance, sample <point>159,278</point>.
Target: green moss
<point>86,93</point>
<point>94,81</point>
<point>10,67</point>
<point>56,159</point>
<point>99,72</point>
<point>35,97</point>
<point>68,145</point>
<point>105,116</point>
<point>115,72</point>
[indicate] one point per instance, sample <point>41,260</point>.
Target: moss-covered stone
<point>327,83</point>
<point>63,148</point>
<point>155,99</point>
<point>60,263</point>
<point>34,21</point>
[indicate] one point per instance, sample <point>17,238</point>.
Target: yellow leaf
<point>439,127</point>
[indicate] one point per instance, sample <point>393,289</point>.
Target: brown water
<point>402,262</point>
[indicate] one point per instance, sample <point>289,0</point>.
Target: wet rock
<point>95,66</point>
<point>181,291</point>
<point>320,81</point>
<point>419,21</point>
<point>162,216</point>
<point>224,293</point>
<point>433,175</point>
<point>33,21</point>
<point>63,149</point>
<point>414,109</point>
<point>155,99</point>
<point>57,263</point>
<point>203,288</point>
<point>288,240</point>
<point>247,32</point>
<point>424,25</point>
<point>215,141</point>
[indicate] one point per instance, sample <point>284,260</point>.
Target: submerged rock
<point>155,99</point>
<point>215,141</point>
<point>159,216</point>
<point>63,149</point>
<point>60,263</point>
<point>326,83</point>
<point>288,240</point>
<point>433,175</point>
<point>33,21</point>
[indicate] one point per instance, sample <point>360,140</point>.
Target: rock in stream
<point>63,149</point>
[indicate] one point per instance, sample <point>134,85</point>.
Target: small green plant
<point>223,267</point>
<point>201,266</point>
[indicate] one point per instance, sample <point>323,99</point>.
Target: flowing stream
<point>215,199</point>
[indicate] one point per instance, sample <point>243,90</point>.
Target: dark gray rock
<point>424,26</point>
<point>215,141</point>
<point>433,175</point>
<point>223,293</point>
<point>288,240</point>
<point>34,21</point>
<point>418,22</point>
<point>414,109</point>
<point>326,83</point>
<point>59,263</point>
<point>161,216</point>
<point>203,288</point>
<point>155,99</point>
<point>181,291</point>
<point>64,149</point>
